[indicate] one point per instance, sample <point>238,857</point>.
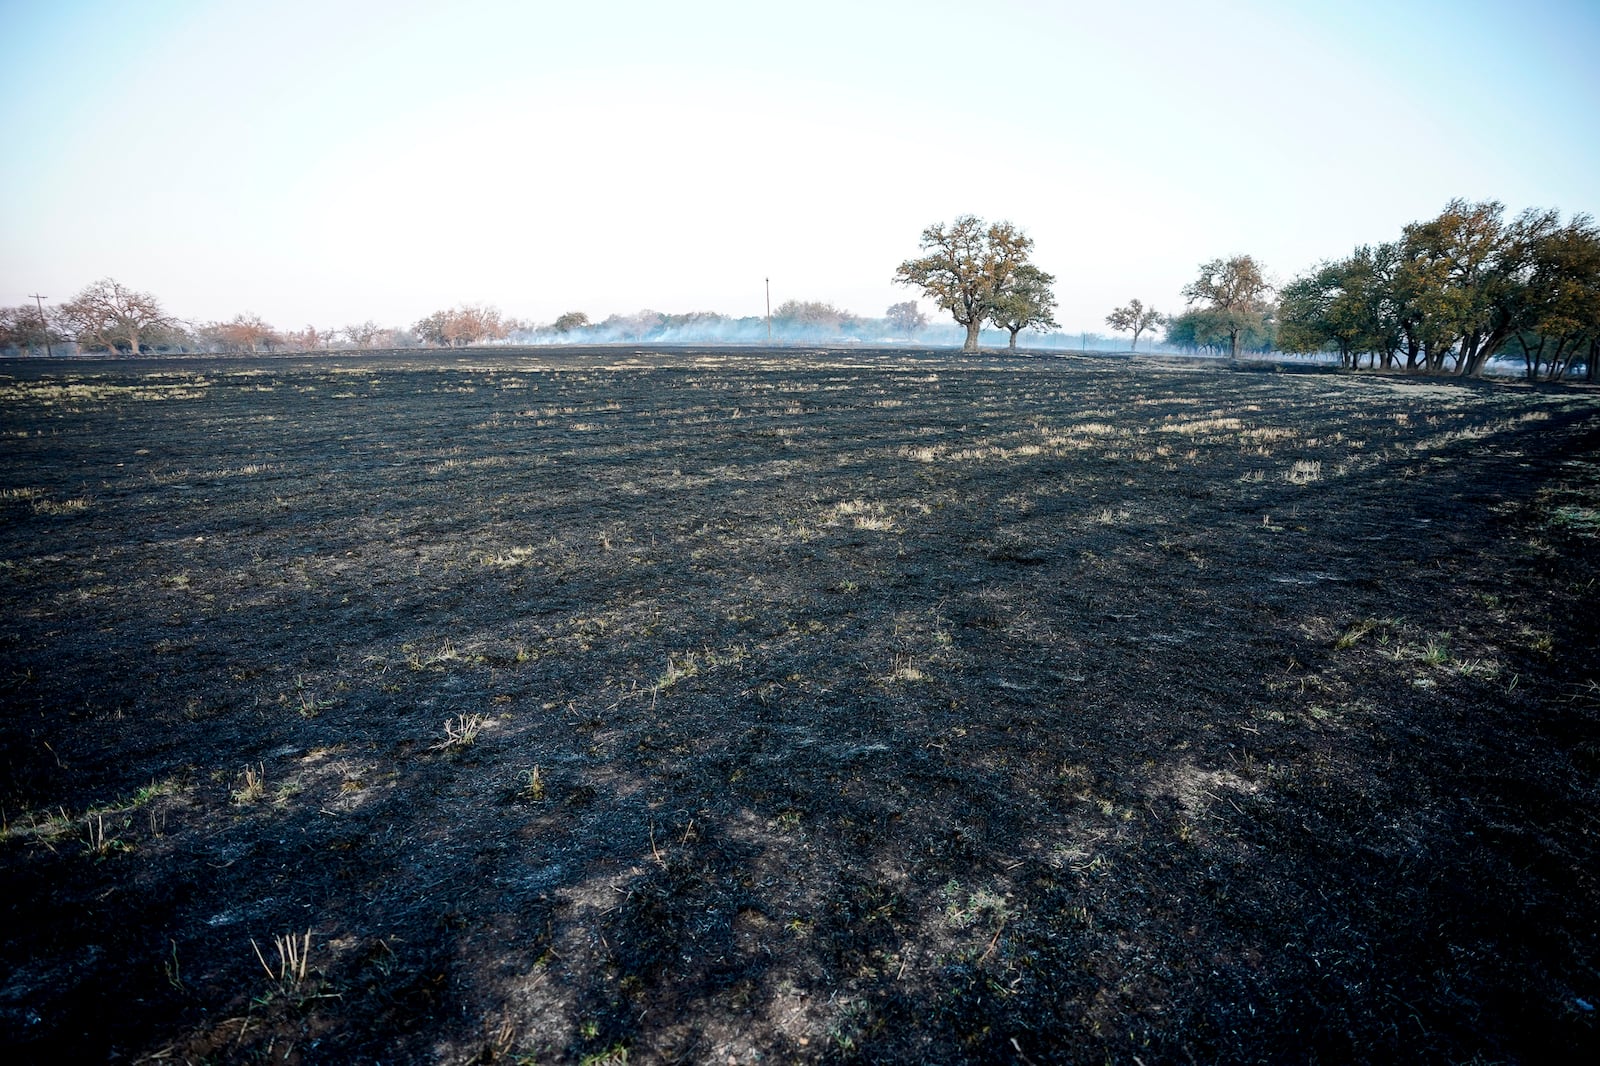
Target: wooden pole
<point>43,324</point>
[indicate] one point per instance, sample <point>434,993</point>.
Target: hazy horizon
<point>328,164</point>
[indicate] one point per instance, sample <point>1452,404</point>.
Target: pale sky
<point>328,162</point>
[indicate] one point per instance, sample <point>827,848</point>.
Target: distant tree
<point>244,333</point>
<point>968,265</point>
<point>434,329</point>
<point>363,334</point>
<point>907,318</point>
<point>695,320</point>
<point>639,326</point>
<point>570,321</point>
<point>812,316</point>
<point>482,323</point>
<point>1024,302</point>
<point>467,324</point>
<point>396,337</point>
<point>1235,293</point>
<point>310,339</point>
<point>1202,330</point>
<point>1195,331</point>
<point>26,326</point>
<point>1134,318</point>
<point>108,315</point>
<point>694,326</point>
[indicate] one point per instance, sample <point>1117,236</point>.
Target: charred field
<point>680,706</point>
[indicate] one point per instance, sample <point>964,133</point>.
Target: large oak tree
<point>967,269</point>
<point>112,316</point>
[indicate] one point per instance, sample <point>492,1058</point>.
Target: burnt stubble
<point>659,706</point>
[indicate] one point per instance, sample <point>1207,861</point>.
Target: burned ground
<point>807,706</point>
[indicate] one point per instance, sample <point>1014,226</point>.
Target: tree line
<point>1456,291</point>
<point>112,318</point>
<point>1446,297</point>
<point>1450,295</point>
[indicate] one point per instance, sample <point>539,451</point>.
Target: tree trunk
<point>1432,358</point>
<point>1486,349</point>
<point>133,340</point>
<point>1532,356</point>
<point>1233,346</point>
<point>1560,361</point>
<point>1135,345</point>
<point>1012,346</point>
<point>972,336</point>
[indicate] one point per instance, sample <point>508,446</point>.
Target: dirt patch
<point>642,706</point>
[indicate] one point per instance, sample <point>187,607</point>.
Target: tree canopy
<point>26,326</point>
<point>108,315</point>
<point>967,269</point>
<point>1234,293</point>
<point>244,333</point>
<point>467,324</point>
<point>1025,302</point>
<point>1455,291</point>
<point>1135,318</point>
<point>812,315</point>
<point>1204,330</point>
<point>906,317</point>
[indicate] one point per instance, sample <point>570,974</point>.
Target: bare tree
<point>310,339</point>
<point>109,315</point>
<point>244,333</point>
<point>467,324</point>
<point>363,334</point>
<point>1134,318</point>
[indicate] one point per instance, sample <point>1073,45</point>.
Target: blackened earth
<point>810,705</point>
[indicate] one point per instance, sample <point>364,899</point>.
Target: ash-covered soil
<point>801,706</point>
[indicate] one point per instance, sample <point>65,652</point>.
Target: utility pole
<point>769,312</point>
<point>43,324</point>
